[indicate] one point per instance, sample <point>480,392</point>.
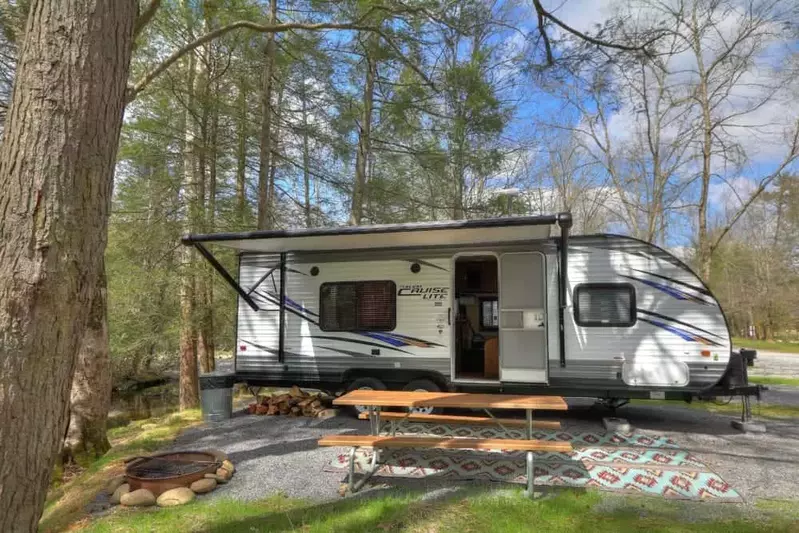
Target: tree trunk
<point>241,156</point>
<point>188,380</point>
<point>188,385</point>
<point>90,398</point>
<point>703,239</point>
<point>265,138</point>
<point>206,196</point>
<point>364,133</point>
<point>306,158</point>
<point>275,133</point>
<point>56,174</point>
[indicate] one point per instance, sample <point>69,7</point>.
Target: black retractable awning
<point>459,232</point>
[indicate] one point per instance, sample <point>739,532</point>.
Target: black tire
<point>423,385</point>
<point>364,384</point>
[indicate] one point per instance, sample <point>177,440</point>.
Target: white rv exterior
<point>637,322</point>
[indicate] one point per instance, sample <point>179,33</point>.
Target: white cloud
<point>759,129</point>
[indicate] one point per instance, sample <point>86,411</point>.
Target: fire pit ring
<point>165,471</point>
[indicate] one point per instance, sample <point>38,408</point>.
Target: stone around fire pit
<point>174,497</point>
<point>218,479</point>
<point>117,495</point>
<point>201,486</point>
<point>138,498</point>
<point>224,473</point>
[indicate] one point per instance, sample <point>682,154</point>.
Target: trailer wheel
<point>423,385</point>
<point>364,384</point>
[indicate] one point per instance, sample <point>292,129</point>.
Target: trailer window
<point>604,305</point>
<point>358,306</point>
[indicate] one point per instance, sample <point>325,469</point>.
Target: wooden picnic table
<point>376,399</point>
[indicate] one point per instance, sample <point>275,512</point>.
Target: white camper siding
<point>257,343</point>
<point>420,340</point>
<point>677,319</point>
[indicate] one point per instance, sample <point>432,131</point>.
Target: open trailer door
<point>523,356</point>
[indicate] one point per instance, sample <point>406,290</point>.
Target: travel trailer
<point>508,304</point>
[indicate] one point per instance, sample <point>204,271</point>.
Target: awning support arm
<point>225,275</point>
<point>565,223</point>
<point>258,283</point>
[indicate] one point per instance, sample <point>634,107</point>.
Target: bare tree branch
<point>544,14</point>
<point>139,86</point>
<point>765,182</point>
<point>145,17</point>
<point>542,30</point>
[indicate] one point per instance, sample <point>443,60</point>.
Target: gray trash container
<point>216,396</point>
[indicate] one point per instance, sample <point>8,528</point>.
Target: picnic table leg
<point>352,485</point>
<point>351,476</point>
<point>529,424</point>
<point>374,420</point>
<point>375,417</point>
<point>530,476</point>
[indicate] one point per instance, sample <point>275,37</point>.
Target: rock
<point>224,473</point>
<point>177,496</point>
<point>114,483</point>
<point>218,479</point>
<point>201,486</point>
<point>227,465</point>
<point>122,489</point>
<point>138,498</point>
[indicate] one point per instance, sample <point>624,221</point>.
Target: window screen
<point>358,306</point>
<point>604,304</point>
<point>489,314</point>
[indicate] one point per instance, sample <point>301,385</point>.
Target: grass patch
<point>66,502</point>
<point>771,346</point>
<point>788,509</point>
<point>733,408</point>
<point>774,380</point>
<point>504,511</point>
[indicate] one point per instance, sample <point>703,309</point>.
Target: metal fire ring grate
<point>171,465</point>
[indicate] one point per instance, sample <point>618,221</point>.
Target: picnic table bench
<point>375,400</point>
<point>461,419</point>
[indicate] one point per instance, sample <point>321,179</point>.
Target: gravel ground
<point>776,364</point>
<point>779,395</point>
<point>277,454</point>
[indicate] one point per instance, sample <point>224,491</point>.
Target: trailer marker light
<point>242,348</point>
<point>705,353</point>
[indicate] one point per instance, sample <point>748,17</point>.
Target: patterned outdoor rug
<point>610,461</point>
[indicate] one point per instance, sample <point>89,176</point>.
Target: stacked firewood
<point>295,402</point>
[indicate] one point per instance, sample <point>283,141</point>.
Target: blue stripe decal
<point>383,337</point>
<point>393,339</point>
<point>671,291</point>
<point>685,335</point>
